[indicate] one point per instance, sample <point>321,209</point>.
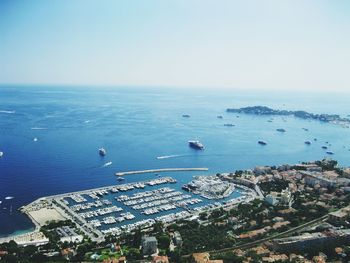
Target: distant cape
<point>263,110</point>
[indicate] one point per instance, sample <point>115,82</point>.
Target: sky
<point>248,44</point>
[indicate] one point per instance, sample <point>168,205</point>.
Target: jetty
<point>161,170</point>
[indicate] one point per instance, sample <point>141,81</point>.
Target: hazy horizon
<point>266,45</point>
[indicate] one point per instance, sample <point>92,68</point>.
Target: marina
<point>119,208</point>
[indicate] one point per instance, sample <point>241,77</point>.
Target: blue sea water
<point>136,125</point>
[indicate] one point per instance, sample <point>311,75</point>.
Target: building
<point>312,179</point>
<point>149,245</point>
<point>67,234</point>
<point>275,198</point>
<point>254,233</point>
<point>275,258</point>
<point>346,172</point>
<point>314,241</point>
<point>35,238</point>
<point>262,170</point>
<point>67,253</point>
<point>160,259</point>
<point>204,258</point>
<point>272,199</point>
<point>3,253</point>
<point>177,239</point>
<point>339,216</point>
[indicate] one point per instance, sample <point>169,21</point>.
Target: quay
<point>161,170</point>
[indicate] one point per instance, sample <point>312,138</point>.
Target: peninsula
<point>263,110</point>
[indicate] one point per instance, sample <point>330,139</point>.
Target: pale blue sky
<point>267,44</point>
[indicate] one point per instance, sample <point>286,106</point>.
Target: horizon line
<point>167,86</point>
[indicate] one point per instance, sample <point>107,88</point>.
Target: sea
<point>50,136</point>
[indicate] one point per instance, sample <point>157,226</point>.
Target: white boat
<point>1,154</point>
<point>9,197</point>
<point>35,139</point>
<point>196,145</point>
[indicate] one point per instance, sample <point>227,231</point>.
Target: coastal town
<point>286,213</point>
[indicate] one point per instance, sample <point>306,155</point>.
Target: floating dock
<point>161,170</point>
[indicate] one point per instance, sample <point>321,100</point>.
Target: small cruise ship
<point>196,145</point>
<point>102,151</point>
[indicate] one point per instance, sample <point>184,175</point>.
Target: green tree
<point>133,253</point>
<point>12,247</point>
<point>9,258</point>
<point>164,241</point>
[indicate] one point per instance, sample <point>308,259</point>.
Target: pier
<point>161,170</point>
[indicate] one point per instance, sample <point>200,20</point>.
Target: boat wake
<point>38,128</point>
<point>8,111</point>
<point>171,156</point>
<point>107,164</point>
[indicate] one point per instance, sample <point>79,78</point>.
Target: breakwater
<point>161,170</point>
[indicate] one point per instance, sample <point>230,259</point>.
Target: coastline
<point>37,211</point>
<point>19,232</point>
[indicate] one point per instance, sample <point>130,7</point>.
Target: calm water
<point>137,125</point>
